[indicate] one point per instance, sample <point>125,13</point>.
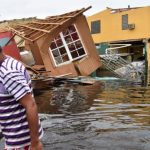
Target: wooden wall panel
<point>48,61</point>
<point>36,53</point>
<point>88,64</point>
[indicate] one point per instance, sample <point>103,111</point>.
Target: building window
<point>125,22</point>
<point>67,46</point>
<point>95,27</point>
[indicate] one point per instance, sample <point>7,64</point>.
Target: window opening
<point>125,22</point>
<point>95,27</point>
<point>67,46</point>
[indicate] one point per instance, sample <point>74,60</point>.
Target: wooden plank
<point>36,38</point>
<point>47,23</point>
<point>49,27</point>
<point>45,33</point>
<point>80,81</point>
<point>60,17</point>
<point>28,34</point>
<point>39,37</point>
<point>20,34</point>
<point>35,28</point>
<point>24,36</point>
<point>57,77</point>
<point>24,30</point>
<point>82,10</point>
<point>60,76</point>
<point>33,32</point>
<point>36,34</point>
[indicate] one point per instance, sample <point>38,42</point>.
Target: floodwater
<point>108,115</point>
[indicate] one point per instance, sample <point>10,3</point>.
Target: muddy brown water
<point>109,115</point>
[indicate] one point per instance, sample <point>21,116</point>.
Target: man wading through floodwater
<point>19,120</point>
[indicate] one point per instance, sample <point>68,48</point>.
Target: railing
<point>119,66</point>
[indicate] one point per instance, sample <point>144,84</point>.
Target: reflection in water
<point>104,116</point>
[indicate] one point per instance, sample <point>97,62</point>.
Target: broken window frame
<point>65,45</point>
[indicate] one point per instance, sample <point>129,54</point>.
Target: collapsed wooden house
<point>63,43</point>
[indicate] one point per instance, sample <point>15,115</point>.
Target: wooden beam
<point>59,17</point>
<point>20,34</point>
<point>87,8</point>
<point>45,33</point>
<point>42,30</point>
<point>70,16</point>
<point>29,31</point>
<point>82,10</point>
<point>47,23</point>
<point>39,36</point>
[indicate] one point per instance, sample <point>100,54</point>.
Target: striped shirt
<point>14,84</point>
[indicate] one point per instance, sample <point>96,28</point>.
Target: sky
<point>15,9</point>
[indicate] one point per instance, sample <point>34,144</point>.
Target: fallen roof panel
<point>39,27</point>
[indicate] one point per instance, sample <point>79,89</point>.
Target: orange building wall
<point>111,25</point>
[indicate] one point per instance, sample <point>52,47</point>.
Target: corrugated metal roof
<point>38,28</point>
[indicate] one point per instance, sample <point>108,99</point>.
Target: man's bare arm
<point>29,104</point>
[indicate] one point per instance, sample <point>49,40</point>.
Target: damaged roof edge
<point>32,31</point>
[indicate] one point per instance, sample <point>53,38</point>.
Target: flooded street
<point>108,115</point>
